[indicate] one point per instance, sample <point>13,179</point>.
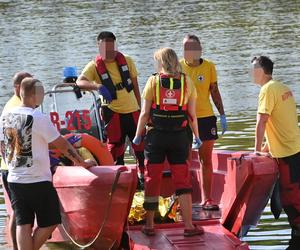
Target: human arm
<point>88,78</point>
<point>133,77</point>
<point>136,90</point>
<point>84,83</point>
<point>265,148</point>
<point>50,134</point>
<point>2,150</point>
<point>74,140</point>
<point>69,151</point>
<point>191,106</point>
<point>266,104</point>
<point>2,147</point>
<point>260,130</point>
<point>148,96</point>
<point>217,99</point>
<point>143,119</point>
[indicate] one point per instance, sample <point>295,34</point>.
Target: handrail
<point>56,90</point>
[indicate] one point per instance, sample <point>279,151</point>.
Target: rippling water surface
<point>44,36</point>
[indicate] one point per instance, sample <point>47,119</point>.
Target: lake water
<point>44,36</point>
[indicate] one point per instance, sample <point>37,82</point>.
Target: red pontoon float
<point>95,203</point>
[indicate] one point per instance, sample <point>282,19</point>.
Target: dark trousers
<point>117,127</point>
<point>159,146</point>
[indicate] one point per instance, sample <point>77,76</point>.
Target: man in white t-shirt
<point>14,101</point>
<point>25,134</point>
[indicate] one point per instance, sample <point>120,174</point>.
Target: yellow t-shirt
<point>13,102</point>
<point>125,102</point>
<point>149,90</point>
<point>282,131</point>
<point>202,77</point>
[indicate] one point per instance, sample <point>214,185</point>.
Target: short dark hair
<point>106,35</point>
<point>28,85</point>
<point>193,37</point>
<point>19,76</point>
<point>265,63</point>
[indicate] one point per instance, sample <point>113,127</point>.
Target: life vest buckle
<point>119,86</point>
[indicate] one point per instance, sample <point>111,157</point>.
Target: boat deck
<point>169,236</point>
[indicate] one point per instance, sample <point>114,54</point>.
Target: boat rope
<point>113,188</point>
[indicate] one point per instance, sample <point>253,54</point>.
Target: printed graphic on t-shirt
<point>17,131</point>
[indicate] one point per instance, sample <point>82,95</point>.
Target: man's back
<point>27,133</point>
<point>283,133</point>
<point>13,102</point>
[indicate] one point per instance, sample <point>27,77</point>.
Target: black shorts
<point>160,145</point>
<point>207,127</point>
<point>4,174</point>
<point>38,199</point>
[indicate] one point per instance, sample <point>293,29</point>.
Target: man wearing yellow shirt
<point>115,77</point>
<point>277,121</point>
<point>203,74</point>
<point>13,102</point>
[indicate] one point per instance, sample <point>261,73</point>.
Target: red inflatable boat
<point>95,203</point>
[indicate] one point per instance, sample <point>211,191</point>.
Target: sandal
<point>209,205</point>
<point>192,232</point>
<point>148,231</point>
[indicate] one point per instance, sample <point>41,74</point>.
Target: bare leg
<point>185,201</point>
<point>150,219</point>
<point>205,155</point>
<point>12,229</point>
<point>24,238</point>
<point>40,235</point>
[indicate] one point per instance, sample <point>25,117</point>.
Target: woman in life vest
<point>168,110</point>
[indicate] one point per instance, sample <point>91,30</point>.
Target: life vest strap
<point>119,86</point>
<point>157,90</point>
<point>106,79</point>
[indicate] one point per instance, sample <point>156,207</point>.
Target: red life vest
<point>168,111</point>
<point>106,79</point>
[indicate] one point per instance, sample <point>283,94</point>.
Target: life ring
<point>96,147</point>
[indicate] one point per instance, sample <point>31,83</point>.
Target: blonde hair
<point>168,60</point>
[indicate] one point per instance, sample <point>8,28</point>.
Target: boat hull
<point>95,203</point>
<point>242,184</point>
<point>91,216</point>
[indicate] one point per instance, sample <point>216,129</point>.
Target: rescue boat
<point>95,202</point>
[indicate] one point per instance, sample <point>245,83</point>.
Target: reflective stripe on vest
<point>106,79</point>
<point>159,98</point>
